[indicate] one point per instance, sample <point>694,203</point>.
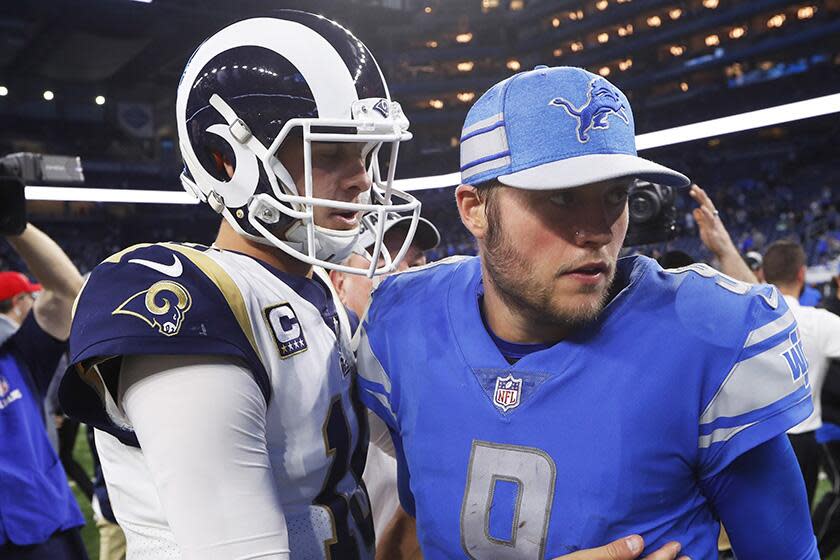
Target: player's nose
<point>354,175</point>
<point>593,226</point>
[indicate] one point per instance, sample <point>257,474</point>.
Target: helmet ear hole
<point>223,165</point>
<point>218,158</point>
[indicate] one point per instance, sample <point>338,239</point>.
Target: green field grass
<point>91,537</point>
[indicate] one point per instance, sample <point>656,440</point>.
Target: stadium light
<point>4,91</point>
<point>789,112</point>
<point>776,21</point>
<point>806,12</point>
<point>48,95</point>
<point>82,194</point>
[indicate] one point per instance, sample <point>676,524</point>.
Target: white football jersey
<point>293,334</point>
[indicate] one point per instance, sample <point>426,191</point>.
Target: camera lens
<point>644,206</point>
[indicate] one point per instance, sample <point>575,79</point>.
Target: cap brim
<point>595,168</point>
<point>426,237</point>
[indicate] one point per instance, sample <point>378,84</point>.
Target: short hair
<point>6,305</point>
<point>783,261</point>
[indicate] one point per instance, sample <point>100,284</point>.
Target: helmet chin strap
<point>330,245</point>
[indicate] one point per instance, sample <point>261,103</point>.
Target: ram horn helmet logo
<point>163,306</point>
<point>602,100</point>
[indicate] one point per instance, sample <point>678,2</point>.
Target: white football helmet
<point>251,85</point>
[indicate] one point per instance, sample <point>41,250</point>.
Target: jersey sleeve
<point>376,389</point>
<point>161,299</point>
<point>765,390</point>
<point>761,501</point>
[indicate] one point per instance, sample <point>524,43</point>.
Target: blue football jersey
<point>606,433</point>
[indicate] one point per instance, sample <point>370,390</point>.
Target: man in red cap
<point>17,294</point>
<point>39,517</point>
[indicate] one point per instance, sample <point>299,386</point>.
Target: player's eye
<point>563,199</point>
<point>618,195</point>
<point>326,151</point>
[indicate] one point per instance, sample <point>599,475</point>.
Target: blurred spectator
<point>810,296</point>
<point>380,474</point>
<point>827,511</point>
<point>354,289</point>
<point>112,545</point>
<point>819,332</point>
<point>63,431</point>
<point>755,261</point>
<point>39,517</point>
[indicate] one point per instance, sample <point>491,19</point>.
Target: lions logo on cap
<point>602,100</point>
<point>163,306</point>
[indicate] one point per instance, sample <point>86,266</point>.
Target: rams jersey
<point>606,433</point>
<point>170,298</point>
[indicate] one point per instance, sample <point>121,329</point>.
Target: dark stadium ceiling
<point>131,46</point>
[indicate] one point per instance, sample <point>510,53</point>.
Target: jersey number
<point>531,473</point>
<point>337,440</point>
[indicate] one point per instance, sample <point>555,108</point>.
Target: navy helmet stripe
<point>359,61</point>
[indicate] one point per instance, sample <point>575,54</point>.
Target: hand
<point>627,548</point>
<point>717,240</point>
<point>712,231</point>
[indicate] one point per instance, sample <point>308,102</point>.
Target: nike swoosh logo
<point>173,270</point>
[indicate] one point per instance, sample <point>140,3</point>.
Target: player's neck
<point>509,323</point>
<point>790,290</point>
<point>228,239</point>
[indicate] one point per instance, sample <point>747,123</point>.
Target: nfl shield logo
<point>4,386</point>
<point>507,393</point>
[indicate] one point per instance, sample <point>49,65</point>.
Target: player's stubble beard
<point>510,272</point>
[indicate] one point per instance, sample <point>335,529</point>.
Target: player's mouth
<point>590,273</point>
<point>345,219</point>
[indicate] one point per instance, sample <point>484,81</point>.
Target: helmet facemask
<point>374,122</point>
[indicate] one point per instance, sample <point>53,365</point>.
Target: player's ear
<point>337,279</point>
<point>472,208</point>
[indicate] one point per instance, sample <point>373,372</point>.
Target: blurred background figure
<point>827,510</point>
<point>819,331</point>
<point>39,517</point>
<point>112,545</point>
<point>380,474</point>
<point>755,261</point>
<point>17,295</point>
<point>354,289</point>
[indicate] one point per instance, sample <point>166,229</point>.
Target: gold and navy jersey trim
<point>226,285</point>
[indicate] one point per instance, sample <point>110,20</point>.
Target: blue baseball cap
<point>555,128</point>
